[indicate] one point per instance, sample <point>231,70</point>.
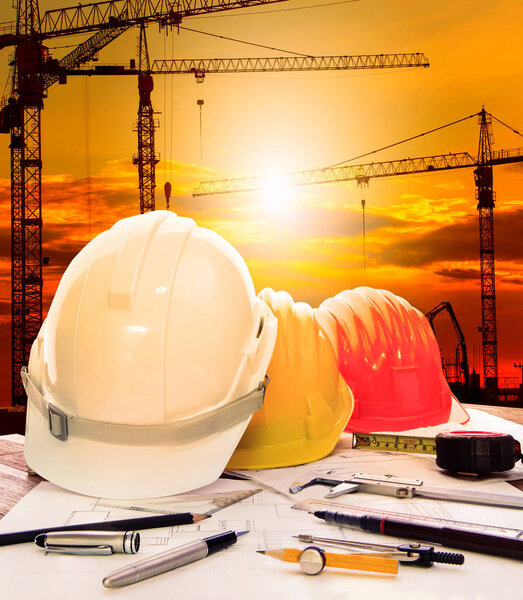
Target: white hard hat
<point>150,363</point>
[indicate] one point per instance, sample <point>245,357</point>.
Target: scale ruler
<point>313,505</point>
<point>213,502</point>
<point>154,511</point>
<point>394,443</point>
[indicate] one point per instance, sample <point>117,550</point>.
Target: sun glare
<point>276,195</point>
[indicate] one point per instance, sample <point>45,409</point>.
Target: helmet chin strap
<point>180,432</point>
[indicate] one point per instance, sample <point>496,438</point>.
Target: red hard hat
<point>389,357</point>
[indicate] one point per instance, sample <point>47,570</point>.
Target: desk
<point>15,482</point>
<point>234,573</point>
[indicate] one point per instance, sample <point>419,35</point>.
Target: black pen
<point>453,537</point>
<point>19,537</point>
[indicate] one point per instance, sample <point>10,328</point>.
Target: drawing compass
<point>410,554</point>
<point>388,485</point>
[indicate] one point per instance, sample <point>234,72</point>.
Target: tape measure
<point>476,452</point>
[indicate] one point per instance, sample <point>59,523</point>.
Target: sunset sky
<point>422,230</point>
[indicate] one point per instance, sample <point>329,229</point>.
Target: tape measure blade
<point>394,443</point>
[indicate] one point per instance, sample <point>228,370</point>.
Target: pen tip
<point>40,540</point>
<point>238,533</point>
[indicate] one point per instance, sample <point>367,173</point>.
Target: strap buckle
<point>57,422</point>
<point>263,384</point>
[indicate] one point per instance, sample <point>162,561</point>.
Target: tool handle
<point>451,537</point>
<point>448,558</point>
<point>426,555</point>
<point>220,541</point>
<point>462,539</point>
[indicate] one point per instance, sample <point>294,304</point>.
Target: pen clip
<point>79,550</point>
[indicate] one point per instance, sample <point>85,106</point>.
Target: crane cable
<point>363,183</point>
<point>401,141</point>
<point>172,116</point>
<point>230,39</point>
<point>507,126</point>
<point>267,12</point>
<point>200,101</point>
<point>364,248</point>
<point>164,80</point>
<point>87,150</point>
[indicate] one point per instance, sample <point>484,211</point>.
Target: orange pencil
<point>312,560</point>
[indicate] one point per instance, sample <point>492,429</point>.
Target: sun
<point>277,196</point>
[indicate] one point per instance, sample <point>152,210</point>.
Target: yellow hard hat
<point>307,403</point>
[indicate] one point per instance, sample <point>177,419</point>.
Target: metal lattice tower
<point>486,198</point>
<point>146,159</point>
<point>20,117</point>
<point>26,169</point>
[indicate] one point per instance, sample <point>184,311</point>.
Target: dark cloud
<point>5,307</point>
<point>513,280</point>
<point>458,273</point>
<point>60,242</point>
<point>5,241</point>
<point>458,242</point>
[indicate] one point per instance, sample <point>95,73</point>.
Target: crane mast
<point>26,172</point>
<point>485,196</point>
<point>146,159</point>
<point>20,117</point>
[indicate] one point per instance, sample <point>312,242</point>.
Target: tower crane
<point>20,117</point>
<point>482,165</point>
<point>34,71</point>
<point>146,158</point>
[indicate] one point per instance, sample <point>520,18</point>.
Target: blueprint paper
<point>239,572</point>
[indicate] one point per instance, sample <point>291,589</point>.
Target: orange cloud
<point>425,249</point>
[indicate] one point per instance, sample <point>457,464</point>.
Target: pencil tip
<point>196,517</point>
<point>260,551</point>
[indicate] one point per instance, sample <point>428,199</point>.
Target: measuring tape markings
<point>474,452</point>
<point>394,443</point>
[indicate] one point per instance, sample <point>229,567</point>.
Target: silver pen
<point>89,542</point>
<point>171,559</point>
